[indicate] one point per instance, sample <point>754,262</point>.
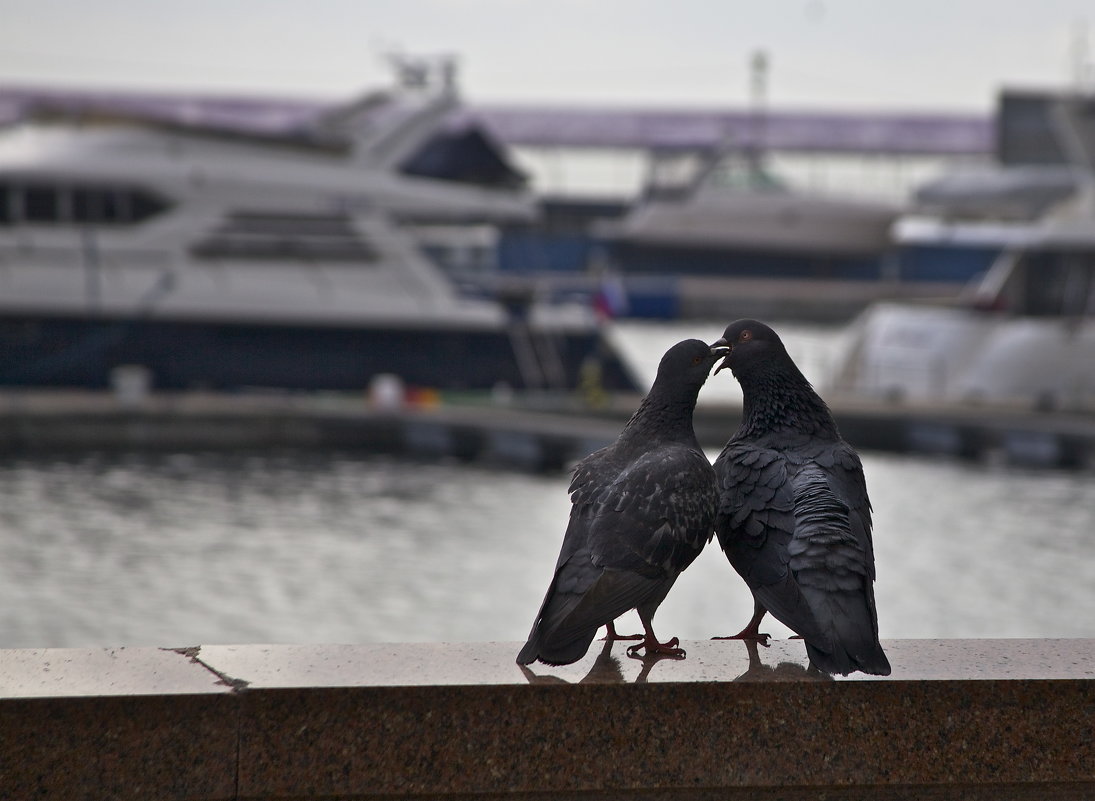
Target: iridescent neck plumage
<point>777,397</point>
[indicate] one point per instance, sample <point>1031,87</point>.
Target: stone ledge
<point>956,719</point>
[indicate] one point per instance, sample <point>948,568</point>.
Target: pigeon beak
<point>721,348</point>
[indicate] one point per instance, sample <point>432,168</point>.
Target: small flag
<point>610,301</point>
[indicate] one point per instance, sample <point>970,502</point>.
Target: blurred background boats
<point>223,244</point>
<point>283,292</point>
<point>225,248</point>
<point>675,212</point>
<point>718,214</point>
<point>1022,333</point>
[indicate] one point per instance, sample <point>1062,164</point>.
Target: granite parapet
<point>956,719</point>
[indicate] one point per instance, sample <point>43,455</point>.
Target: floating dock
<point>544,436</point>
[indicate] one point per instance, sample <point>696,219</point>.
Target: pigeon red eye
<point>745,335</point>
<point>697,359</point>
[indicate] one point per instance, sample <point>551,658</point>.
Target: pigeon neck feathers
<point>777,397</point>
<point>665,414</point>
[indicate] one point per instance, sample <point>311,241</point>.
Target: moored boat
<point>218,258</point>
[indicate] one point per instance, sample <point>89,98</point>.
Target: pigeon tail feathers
<point>851,641</point>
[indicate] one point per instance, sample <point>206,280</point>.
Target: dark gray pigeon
<point>642,510</point>
<point>794,518</point>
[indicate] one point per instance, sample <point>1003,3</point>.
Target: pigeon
<point>794,518</point>
<point>642,510</point>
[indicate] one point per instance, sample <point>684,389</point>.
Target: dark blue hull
<point>81,352</point>
<point>945,262</point>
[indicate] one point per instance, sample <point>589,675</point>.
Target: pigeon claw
<point>653,647</point>
<point>752,628</point>
<point>759,636</point>
<point>612,636</point>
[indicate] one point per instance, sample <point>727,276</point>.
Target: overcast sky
<point>929,54</point>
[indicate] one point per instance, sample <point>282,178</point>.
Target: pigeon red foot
<point>752,628</point>
<point>651,645</point>
<point>612,636</point>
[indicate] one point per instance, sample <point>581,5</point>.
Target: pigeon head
<point>689,362</point>
<point>775,394</point>
<point>747,344</point>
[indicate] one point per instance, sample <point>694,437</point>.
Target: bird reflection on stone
<point>794,518</point>
<point>606,669</point>
<point>642,510</point>
<point>781,671</point>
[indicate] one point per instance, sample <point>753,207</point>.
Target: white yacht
<point>215,258</point>
<point>735,218</point>
<point>738,205</point>
<point>1023,334</point>
<point>735,240</point>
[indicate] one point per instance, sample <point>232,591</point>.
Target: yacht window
<point>94,206</point>
<point>91,205</point>
<point>113,206</point>
<point>41,204</point>
<point>1057,283</point>
<point>143,205</point>
<point>299,237</point>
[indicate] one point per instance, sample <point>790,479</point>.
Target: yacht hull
<point>72,351</point>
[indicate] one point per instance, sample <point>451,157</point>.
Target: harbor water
<point>193,548</point>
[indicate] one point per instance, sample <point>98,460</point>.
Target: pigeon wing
<point>755,525</point>
<point>657,516</point>
<point>832,561</point>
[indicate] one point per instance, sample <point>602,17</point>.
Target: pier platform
<point>550,434</point>
<point>972,719</point>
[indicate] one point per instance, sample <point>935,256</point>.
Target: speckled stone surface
<point>980,719</point>
<point>119,723</point>
<point>419,664</point>
<point>60,672</point>
<point>423,720</point>
<point>138,747</point>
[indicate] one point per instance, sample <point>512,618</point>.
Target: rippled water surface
<point>201,548</point>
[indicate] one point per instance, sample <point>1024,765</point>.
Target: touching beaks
<point>721,348</point>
